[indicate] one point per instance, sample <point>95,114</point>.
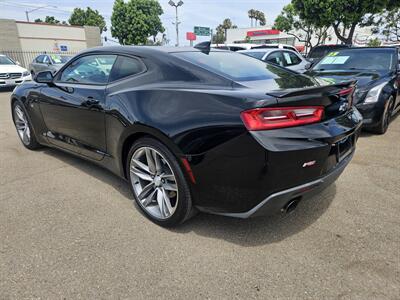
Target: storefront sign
<point>263,32</point>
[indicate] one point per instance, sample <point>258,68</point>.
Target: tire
<point>23,126</point>
<point>164,199</point>
<point>383,125</point>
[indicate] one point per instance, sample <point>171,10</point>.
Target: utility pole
<point>37,8</point>
<point>180,3</point>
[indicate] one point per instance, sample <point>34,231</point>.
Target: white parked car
<point>281,57</point>
<point>11,74</point>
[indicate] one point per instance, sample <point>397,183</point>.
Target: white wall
<point>44,37</point>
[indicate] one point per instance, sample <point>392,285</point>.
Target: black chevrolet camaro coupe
<point>191,129</point>
<point>377,72</point>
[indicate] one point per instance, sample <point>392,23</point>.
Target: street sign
<point>190,36</point>
<point>63,48</point>
<point>202,31</point>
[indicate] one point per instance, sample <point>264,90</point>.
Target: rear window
<point>319,52</point>
<point>235,66</point>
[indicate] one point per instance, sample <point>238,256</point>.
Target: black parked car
<point>319,52</point>
<point>188,129</point>
<point>377,71</point>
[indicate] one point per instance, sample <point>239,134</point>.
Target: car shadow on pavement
<point>261,230</point>
<point>91,169</point>
<point>6,89</point>
<point>246,232</point>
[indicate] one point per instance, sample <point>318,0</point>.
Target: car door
<point>73,106</point>
<point>276,58</point>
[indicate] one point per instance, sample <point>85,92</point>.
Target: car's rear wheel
<point>158,183</point>
<point>24,128</point>
<point>383,125</point>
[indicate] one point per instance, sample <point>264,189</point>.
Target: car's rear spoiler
<point>325,89</point>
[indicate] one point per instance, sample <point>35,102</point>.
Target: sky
<point>207,13</point>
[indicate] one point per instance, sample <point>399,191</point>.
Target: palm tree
<point>261,18</point>
<point>251,13</point>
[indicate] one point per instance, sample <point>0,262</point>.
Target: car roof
<point>146,50</point>
<point>369,48</point>
<point>265,50</point>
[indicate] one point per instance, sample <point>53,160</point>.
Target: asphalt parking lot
<point>69,229</point>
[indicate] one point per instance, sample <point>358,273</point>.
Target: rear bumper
<point>237,176</point>
<point>276,202</point>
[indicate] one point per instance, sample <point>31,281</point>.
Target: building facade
<point>27,36</point>
<point>258,35</point>
<point>267,35</point>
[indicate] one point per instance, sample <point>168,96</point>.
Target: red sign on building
<point>190,36</point>
<point>263,32</point>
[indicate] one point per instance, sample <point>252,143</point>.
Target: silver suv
<point>48,62</point>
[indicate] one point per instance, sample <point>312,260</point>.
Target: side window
<point>39,59</point>
<point>291,59</point>
<point>276,58</point>
<point>46,59</point>
<point>126,66</point>
<point>92,69</point>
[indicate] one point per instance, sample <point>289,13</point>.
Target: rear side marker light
<point>281,117</point>
<point>188,170</point>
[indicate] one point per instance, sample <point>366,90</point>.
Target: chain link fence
<point>26,57</point>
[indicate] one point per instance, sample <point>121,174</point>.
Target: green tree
<point>88,17</point>
<point>220,35</point>
<point>388,24</point>
<point>342,15</point>
<point>134,21</point>
<point>260,16</point>
<point>290,22</point>
<point>374,42</point>
<point>48,20</point>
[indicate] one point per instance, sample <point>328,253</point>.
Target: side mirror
<point>44,77</point>
<point>308,66</point>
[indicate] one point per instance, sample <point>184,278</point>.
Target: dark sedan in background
<point>191,129</point>
<point>48,62</point>
<point>319,52</point>
<point>377,71</point>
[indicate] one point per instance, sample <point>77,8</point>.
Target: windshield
<point>235,66</point>
<point>319,52</point>
<point>358,59</point>
<point>59,59</point>
<point>4,60</point>
<point>258,55</point>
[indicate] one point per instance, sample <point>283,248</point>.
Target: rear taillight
<point>346,91</point>
<point>281,117</point>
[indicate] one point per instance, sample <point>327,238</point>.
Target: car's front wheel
<point>24,128</point>
<point>383,125</point>
<point>158,183</point>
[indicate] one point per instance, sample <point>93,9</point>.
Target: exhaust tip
<point>291,206</point>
